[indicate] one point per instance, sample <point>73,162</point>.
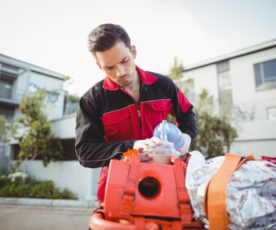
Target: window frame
<point>267,109</point>
<point>7,81</point>
<point>262,74</point>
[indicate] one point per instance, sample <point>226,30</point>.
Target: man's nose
<point>120,71</point>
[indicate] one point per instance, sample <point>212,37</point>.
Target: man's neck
<point>134,87</point>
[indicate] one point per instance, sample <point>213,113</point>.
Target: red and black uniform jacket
<point>109,120</point>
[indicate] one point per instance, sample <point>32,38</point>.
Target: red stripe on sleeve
<point>183,101</point>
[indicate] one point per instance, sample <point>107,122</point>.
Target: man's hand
<point>185,148</point>
<point>152,142</point>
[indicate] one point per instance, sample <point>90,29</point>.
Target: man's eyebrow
<point>108,67</point>
<point>124,59</point>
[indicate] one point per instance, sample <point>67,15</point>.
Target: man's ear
<point>98,64</point>
<point>133,51</point>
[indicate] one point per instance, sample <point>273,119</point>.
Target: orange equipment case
<point>169,207</point>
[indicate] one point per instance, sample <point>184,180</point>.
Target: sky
<point>53,34</point>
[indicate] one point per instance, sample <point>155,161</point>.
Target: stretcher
<point>154,196</point>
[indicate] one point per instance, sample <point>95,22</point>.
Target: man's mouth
<point>124,78</point>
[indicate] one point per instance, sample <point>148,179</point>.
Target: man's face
<point>118,63</point>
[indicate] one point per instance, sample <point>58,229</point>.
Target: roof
<point>253,49</point>
<point>27,66</point>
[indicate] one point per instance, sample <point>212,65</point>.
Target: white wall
<point>257,138</point>
<point>68,174</point>
<point>255,148</point>
<point>64,127</point>
<point>55,110</point>
<point>21,87</point>
<point>44,81</point>
<point>243,82</point>
<point>258,130</point>
<point>205,77</point>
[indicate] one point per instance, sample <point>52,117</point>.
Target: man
<point>120,112</point>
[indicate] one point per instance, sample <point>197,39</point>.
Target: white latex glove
<point>160,142</point>
<point>187,144</point>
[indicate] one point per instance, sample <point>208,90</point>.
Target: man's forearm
<point>99,154</point>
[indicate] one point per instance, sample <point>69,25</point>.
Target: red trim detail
<point>146,77</point>
<point>183,101</point>
<point>109,84</point>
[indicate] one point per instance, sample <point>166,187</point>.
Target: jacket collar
<point>145,77</point>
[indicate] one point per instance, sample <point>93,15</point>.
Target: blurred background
<point>221,54</point>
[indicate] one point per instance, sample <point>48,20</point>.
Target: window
<point>68,150</point>
<point>7,111</point>
<point>6,83</point>
<point>224,86</point>
<point>6,88</point>
<point>70,104</point>
<point>271,114</point>
<point>265,75</point>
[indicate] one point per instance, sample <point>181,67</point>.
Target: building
<point>18,78</point>
<point>247,79</point>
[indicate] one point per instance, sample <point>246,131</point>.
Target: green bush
<point>43,189</point>
<point>67,194</point>
<point>14,190</point>
<point>30,188</point>
<point>3,182</point>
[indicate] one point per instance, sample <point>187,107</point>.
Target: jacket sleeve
<point>183,111</point>
<point>91,149</point>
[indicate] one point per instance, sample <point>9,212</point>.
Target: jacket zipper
<point>138,109</point>
<point>136,103</point>
<point>138,112</point>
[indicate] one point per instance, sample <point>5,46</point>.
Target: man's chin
<point>124,84</point>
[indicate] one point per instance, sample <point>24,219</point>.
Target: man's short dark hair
<point>105,36</point>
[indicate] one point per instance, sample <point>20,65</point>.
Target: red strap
<point>185,210</point>
<point>176,225</point>
<point>129,192</point>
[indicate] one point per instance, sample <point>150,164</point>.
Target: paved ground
<point>15,217</point>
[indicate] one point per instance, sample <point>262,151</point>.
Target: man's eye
<point>108,68</point>
<point>124,61</point>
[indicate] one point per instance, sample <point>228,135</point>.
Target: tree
<point>176,72</point>
<point>215,133</point>
<point>6,132</point>
<point>36,139</point>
